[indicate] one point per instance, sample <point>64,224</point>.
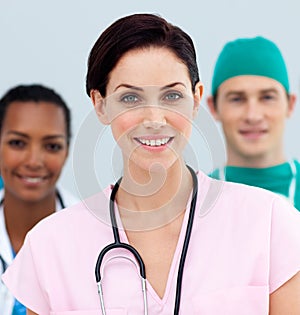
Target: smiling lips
<point>253,133</point>
<point>32,179</point>
<point>154,142</point>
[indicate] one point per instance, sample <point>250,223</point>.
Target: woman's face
<point>33,149</point>
<point>150,105</point>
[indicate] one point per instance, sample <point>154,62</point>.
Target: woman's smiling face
<point>33,148</point>
<point>150,105</point>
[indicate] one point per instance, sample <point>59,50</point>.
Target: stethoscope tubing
<point>3,264</point>
<point>58,195</point>
<point>186,242</point>
<point>118,244</point>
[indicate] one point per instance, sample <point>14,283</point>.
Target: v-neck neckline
<point>175,259</point>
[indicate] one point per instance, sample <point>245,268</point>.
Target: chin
<point>154,167</point>
<point>254,156</point>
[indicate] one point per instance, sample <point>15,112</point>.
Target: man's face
<point>252,111</point>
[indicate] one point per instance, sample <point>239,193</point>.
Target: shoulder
<point>92,211</point>
<point>230,189</point>
<point>237,199</point>
<point>251,212</point>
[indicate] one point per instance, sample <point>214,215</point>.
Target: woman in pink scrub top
<point>243,256</point>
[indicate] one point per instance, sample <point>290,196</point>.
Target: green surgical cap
<point>250,56</point>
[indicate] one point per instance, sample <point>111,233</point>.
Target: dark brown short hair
<point>133,32</point>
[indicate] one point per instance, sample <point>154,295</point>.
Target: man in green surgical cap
<point>251,99</point>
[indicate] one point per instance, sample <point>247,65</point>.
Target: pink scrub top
<point>244,245</point>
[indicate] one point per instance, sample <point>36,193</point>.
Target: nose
<point>34,158</point>
<point>154,117</point>
<point>254,112</point>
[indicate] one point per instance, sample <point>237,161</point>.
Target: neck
<point>21,216</point>
<point>255,161</point>
<point>153,199</point>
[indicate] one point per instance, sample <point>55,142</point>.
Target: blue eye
<point>130,99</point>
<point>173,96</point>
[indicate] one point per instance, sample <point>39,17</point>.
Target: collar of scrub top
<point>292,187</point>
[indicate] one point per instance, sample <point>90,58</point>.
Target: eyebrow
<point>172,85</point>
<point>270,90</point>
<point>24,135</point>
<point>128,86</point>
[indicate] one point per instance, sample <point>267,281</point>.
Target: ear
<point>291,104</point>
<point>212,107</point>
<point>99,105</point>
<point>199,88</point>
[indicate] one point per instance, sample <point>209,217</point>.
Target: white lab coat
<point>6,298</point>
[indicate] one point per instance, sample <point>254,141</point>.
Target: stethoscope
<point>118,244</point>
<point>2,261</point>
<point>3,264</point>
<point>292,187</point>
<point>58,196</point>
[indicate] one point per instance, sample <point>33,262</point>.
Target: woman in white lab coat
<point>34,142</point>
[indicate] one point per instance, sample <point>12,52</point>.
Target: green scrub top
<point>275,178</point>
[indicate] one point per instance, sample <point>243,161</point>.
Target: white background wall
<point>48,42</point>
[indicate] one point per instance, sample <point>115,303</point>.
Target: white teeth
<point>33,179</point>
<point>154,143</point>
